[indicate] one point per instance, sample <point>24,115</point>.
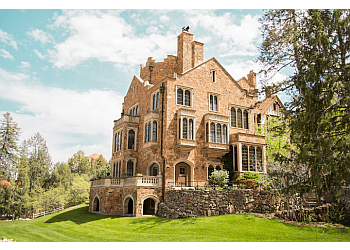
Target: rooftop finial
<point>185,29</point>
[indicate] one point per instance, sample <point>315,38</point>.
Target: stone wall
<point>193,203</point>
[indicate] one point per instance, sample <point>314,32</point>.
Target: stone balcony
<point>215,150</point>
<point>134,181</point>
<point>127,119</point>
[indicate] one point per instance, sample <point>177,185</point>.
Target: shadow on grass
<point>79,216</point>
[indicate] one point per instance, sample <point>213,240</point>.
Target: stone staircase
<point>311,201</point>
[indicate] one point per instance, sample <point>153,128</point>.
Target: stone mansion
<point>179,117</point>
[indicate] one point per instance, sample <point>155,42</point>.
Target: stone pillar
<point>239,157</point>
<point>264,159</point>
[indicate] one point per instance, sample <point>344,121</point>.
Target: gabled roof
<point>266,103</point>
<point>223,69</point>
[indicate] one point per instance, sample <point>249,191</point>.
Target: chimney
<point>184,51</point>
<point>197,53</point>
<point>252,79</point>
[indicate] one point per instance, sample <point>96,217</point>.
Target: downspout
<point>161,90</point>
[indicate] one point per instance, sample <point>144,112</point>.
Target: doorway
<point>182,175</point>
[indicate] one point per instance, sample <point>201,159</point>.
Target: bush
<point>219,177</point>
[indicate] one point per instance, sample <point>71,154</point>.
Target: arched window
<point>121,140</point>
<point>130,112</point>
<point>210,170</point>
<point>154,102</point>
<point>184,128</point>
<point>116,143</point>
<point>149,131</point>
<point>154,136</point>
<point>252,159</point>
<point>180,96</point>
<point>218,133</point>
<point>259,159</point>
<point>215,103</point>
<point>190,129</point>
<point>244,158</point>
<point>212,132</point>
<point>146,132</point>
<point>130,168</point>
<point>154,170</point>
<point>207,132</point>
<point>233,117</point>
<point>187,98</point>
<point>133,111</point>
<point>137,110</point>
<point>224,134</point>
<point>239,118</point>
<point>245,119</point>
<point>131,139</point>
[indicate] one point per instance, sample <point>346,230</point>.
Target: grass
<point>78,225</point>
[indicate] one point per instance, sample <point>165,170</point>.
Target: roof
<point>267,102</point>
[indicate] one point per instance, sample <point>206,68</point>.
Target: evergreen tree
<point>9,136</point>
<point>316,44</point>
<point>79,163</point>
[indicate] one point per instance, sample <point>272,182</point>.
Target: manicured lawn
<point>80,225</point>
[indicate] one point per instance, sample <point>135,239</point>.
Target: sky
<point>64,73</point>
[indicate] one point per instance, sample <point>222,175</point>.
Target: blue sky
<point>64,73</point>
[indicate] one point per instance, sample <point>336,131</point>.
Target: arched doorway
<point>183,175</point>
<point>129,206</point>
<point>96,205</point>
<point>149,207</point>
<point>154,170</point>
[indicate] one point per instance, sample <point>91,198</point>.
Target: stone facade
<point>205,113</point>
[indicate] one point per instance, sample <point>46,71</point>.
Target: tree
<point>39,162</point>
<point>99,167</point>
<point>9,136</point>
<point>316,44</point>
<point>79,191</point>
<point>79,163</point>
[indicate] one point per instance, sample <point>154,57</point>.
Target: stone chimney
<point>252,79</point>
<point>189,52</point>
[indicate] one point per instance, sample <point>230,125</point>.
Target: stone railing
<point>137,181</point>
<point>127,118</point>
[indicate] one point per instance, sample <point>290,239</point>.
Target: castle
<point>179,117</point>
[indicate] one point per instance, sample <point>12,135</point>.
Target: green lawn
<point>79,225</point>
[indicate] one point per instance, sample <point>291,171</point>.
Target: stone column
<point>239,157</point>
<point>264,159</point>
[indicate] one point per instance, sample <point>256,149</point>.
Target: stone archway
<point>129,206</point>
<point>183,175</point>
<point>149,207</point>
<point>96,205</point>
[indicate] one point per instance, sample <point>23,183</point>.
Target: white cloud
<point>65,118</point>
<point>8,39</point>
<point>25,64</point>
<point>41,56</point>
<point>42,36</point>
<point>5,54</point>
<point>106,37</point>
<point>235,38</point>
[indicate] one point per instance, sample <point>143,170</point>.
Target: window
<point>218,168</point>
<point>224,134</point>
<point>155,101</point>
<point>207,132</point>
<point>184,128</point>
<point>146,132</point>
<point>252,159</point>
<point>131,139</point>
<point>190,129</point>
<point>130,168</point>
<point>187,98</point>
<point>137,110</point>
<point>180,96</point>
<point>183,97</point>
<point>213,103</point>
<point>258,119</point>
<point>118,141</point>
<point>259,159</point>
<point>149,131</point>
<point>239,118</point>
<point>154,135</point>
<point>213,76</point>
<point>218,133</point>
<point>116,173</point>
<point>233,117</point>
<point>235,153</point>
<point>244,158</point>
<point>245,119</point>
<point>212,132</point>
<point>182,171</point>
<point>275,106</point>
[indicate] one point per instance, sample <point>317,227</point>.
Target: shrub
<point>219,177</point>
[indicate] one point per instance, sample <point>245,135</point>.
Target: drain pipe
<point>162,90</point>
